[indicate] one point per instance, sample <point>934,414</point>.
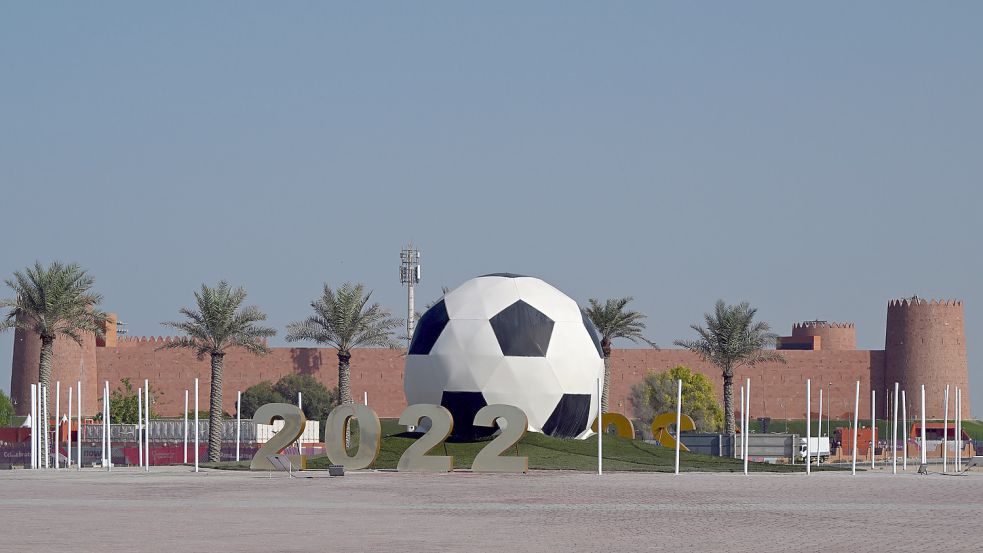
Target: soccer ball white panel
<point>481,298</point>
<point>467,337</point>
<point>534,379</point>
<point>554,303</point>
<point>572,354</point>
<point>468,352</point>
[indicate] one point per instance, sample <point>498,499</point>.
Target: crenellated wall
<point>775,387</point>
<point>832,336</point>
<point>925,344</point>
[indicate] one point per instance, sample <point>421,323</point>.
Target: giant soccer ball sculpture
<point>512,339</point>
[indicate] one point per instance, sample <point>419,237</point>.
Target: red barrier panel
<point>15,435</point>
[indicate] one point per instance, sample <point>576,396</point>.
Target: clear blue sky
<point>813,160</point>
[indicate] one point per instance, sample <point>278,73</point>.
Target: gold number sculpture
<point>622,424</point>
<point>369,436</point>
<point>660,429</point>
<point>490,459</point>
<point>293,427</point>
<point>415,457</point>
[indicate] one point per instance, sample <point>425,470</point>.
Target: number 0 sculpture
<point>369,436</point>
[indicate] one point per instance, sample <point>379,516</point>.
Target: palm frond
<point>344,319</point>
<point>613,321</point>
<point>56,300</point>
<point>732,338</point>
<point>220,322</point>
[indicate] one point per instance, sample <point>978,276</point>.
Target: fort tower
<point>925,343</point>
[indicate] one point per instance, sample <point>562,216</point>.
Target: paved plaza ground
<point>172,509</point>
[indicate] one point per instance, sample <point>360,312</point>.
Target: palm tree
<point>343,319</point>
<point>53,301</point>
<point>220,323</point>
<point>612,321</point>
<point>731,339</point>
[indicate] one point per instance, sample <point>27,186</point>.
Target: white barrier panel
<point>312,431</point>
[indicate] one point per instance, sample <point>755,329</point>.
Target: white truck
<point>817,447</point>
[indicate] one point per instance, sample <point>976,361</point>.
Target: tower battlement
<point>820,335</point>
<point>821,324</point>
<point>916,302</point>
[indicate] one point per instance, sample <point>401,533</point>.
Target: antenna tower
<point>409,274</point>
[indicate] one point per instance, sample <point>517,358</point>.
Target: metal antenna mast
<point>409,274</point>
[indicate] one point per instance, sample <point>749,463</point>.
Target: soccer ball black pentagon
<point>511,339</point>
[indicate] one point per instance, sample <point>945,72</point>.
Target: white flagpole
<point>146,428</point>
<point>819,428</point>
<point>600,431</point>
<point>238,421</point>
<point>78,434</point>
<point>41,457</point>
<point>945,433</point>
<point>904,432</point>
<point>139,435</point>
<point>873,428</point>
<point>57,421</point>
<point>196,425</point>
<point>104,426</point>
<point>959,435</point>
<point>300,439</point>
<point>959,422</point>
<point>743,430</point>
<point>68,460</point>
<point>679,419</point>
<point>808,424</point>
<point>34,423</point>
<point>856,422</point>
<point>40,426</point>
<point>924,453</point>
<point>185,427</point>
<point>44,426</point>
<point>747,423</point>
<point>109,431</point>
<point>894,434</point>
<point>829,419</point>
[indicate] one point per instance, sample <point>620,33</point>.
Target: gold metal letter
<point>490,459</point>
<point>293,427</point>
<point>369,436</point>
<point>660,429</point>
<point>415,457</point>
<point>622,425</point>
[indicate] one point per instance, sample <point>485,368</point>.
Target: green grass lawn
<point>547,453</point>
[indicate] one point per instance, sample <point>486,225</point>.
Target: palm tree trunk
<point>728,403</point>
<point>344,377</point>
<point>215,410</point>
<point>345,388</point>
<point>606,348</point>
<point>44,378</point>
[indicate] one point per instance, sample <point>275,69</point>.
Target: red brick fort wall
<point>380,373</point>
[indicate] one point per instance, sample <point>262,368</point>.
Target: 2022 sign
<point>511,420</point>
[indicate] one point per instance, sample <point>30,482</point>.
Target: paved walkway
<point>171,509</point>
